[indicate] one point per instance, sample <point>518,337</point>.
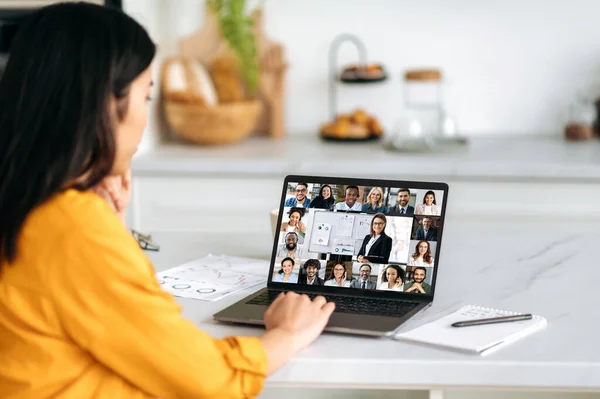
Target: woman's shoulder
<point>76,219</point>
<point>70,211</point>
<point>75,229</point>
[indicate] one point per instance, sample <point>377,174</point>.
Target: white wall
<point>511,66</point>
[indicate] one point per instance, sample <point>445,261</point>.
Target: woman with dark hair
<point>429,205</point>
<point>325,198</point>
<point>286,273</point>
<point>377,245</point>
<point>82,312</point>
<point>392,278</point>
<point>295,223</point>
<point>338,276</point>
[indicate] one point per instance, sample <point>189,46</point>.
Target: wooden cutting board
<point>207,43</point>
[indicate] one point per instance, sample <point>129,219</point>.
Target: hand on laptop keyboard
<point>293,322</point>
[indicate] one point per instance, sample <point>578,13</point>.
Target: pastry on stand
<point>358,126</point>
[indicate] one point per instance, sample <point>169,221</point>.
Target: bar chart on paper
<point>213,277</point>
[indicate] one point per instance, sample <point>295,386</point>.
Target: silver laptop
<point>371,246</point>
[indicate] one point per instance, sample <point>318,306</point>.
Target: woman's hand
<point>398,283</point>
<point>301,227</point>
<point>116,190</point>
<point>293,322</point>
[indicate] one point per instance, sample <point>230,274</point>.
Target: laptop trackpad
<point>363,324</point>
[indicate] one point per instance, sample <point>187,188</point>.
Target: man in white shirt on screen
<point>290,249</point>
<point>350,203</point>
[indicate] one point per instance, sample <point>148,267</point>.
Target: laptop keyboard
<point>347,304</point>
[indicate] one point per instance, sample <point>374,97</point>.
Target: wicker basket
<point>221,124</point>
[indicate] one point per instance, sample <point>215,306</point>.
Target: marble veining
<point>550,270</point>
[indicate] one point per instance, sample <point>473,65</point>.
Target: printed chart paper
<point>213,277</point>
<point>344,226</point>
<point>344,247</point>
<point>321,234</point>
<point>363,227</point>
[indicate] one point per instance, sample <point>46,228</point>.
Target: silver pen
<point>492,320</point>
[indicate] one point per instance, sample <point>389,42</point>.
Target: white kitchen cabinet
<point>179,187</point>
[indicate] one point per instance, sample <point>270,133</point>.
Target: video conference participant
<point>402,208</point>
<point>324,200</point>
<point>295,223</point>
<point>350,203</point>
<point>429,206</point>
<point>422,255</point>
<point>290,248</point>
<point>338,276</point>
<point>392,278</point>
<point>364,281</point>
<point>426,231</point>
<point>301,199</point>
<point>419,286</point>
<point>311,273</point>
<point>286,273</point>
<point>376,246</point>
<point>374,201</point>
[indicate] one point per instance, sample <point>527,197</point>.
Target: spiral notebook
<point>482,340</point>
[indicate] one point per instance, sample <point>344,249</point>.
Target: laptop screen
<point>378,236</point>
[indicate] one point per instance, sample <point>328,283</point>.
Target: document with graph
<point>213,277</point>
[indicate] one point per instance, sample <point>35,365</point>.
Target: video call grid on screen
<point>326,227</point>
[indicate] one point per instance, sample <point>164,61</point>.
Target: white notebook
<point>482,339</point>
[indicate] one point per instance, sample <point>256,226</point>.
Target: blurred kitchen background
<point>510,67</point>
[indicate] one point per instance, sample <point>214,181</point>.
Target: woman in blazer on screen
<point>376,247</point>
<point>429,206</point>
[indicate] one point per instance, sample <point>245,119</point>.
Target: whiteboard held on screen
<point>334,232</point>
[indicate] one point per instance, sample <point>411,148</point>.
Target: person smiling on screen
<point>374,201</point>
<point>377,245</point>
<point>295,223</point>
<point>81,312</point>
<point>286,273</point>
<point>300,200</point>
<point>422,255</point>
<point>392,279</point>
<point>325,198</point>
<point>338,276</point>
<point>429,205</point>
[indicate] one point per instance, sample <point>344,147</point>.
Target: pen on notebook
<point>503,319</point>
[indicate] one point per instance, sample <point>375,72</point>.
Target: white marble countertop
<point>486,158</point>
<point>544,268</point>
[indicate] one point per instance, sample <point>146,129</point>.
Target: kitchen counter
<point>487,158</point>
<point>182,187</point>
<point>492,267</point>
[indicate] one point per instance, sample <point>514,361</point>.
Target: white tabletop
<point>543,268</point>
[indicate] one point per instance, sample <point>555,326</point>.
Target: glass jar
<point>423,100</point>
<point>423,119</point>
<point>580,122</point>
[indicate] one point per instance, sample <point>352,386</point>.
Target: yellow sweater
<point>82,316</point>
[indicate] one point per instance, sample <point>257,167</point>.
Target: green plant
<point>236,27</point>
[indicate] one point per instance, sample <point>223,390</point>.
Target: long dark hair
<point>320,202</point>
<point>66,63</point>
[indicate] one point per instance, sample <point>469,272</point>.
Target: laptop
<point>371,246</point>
